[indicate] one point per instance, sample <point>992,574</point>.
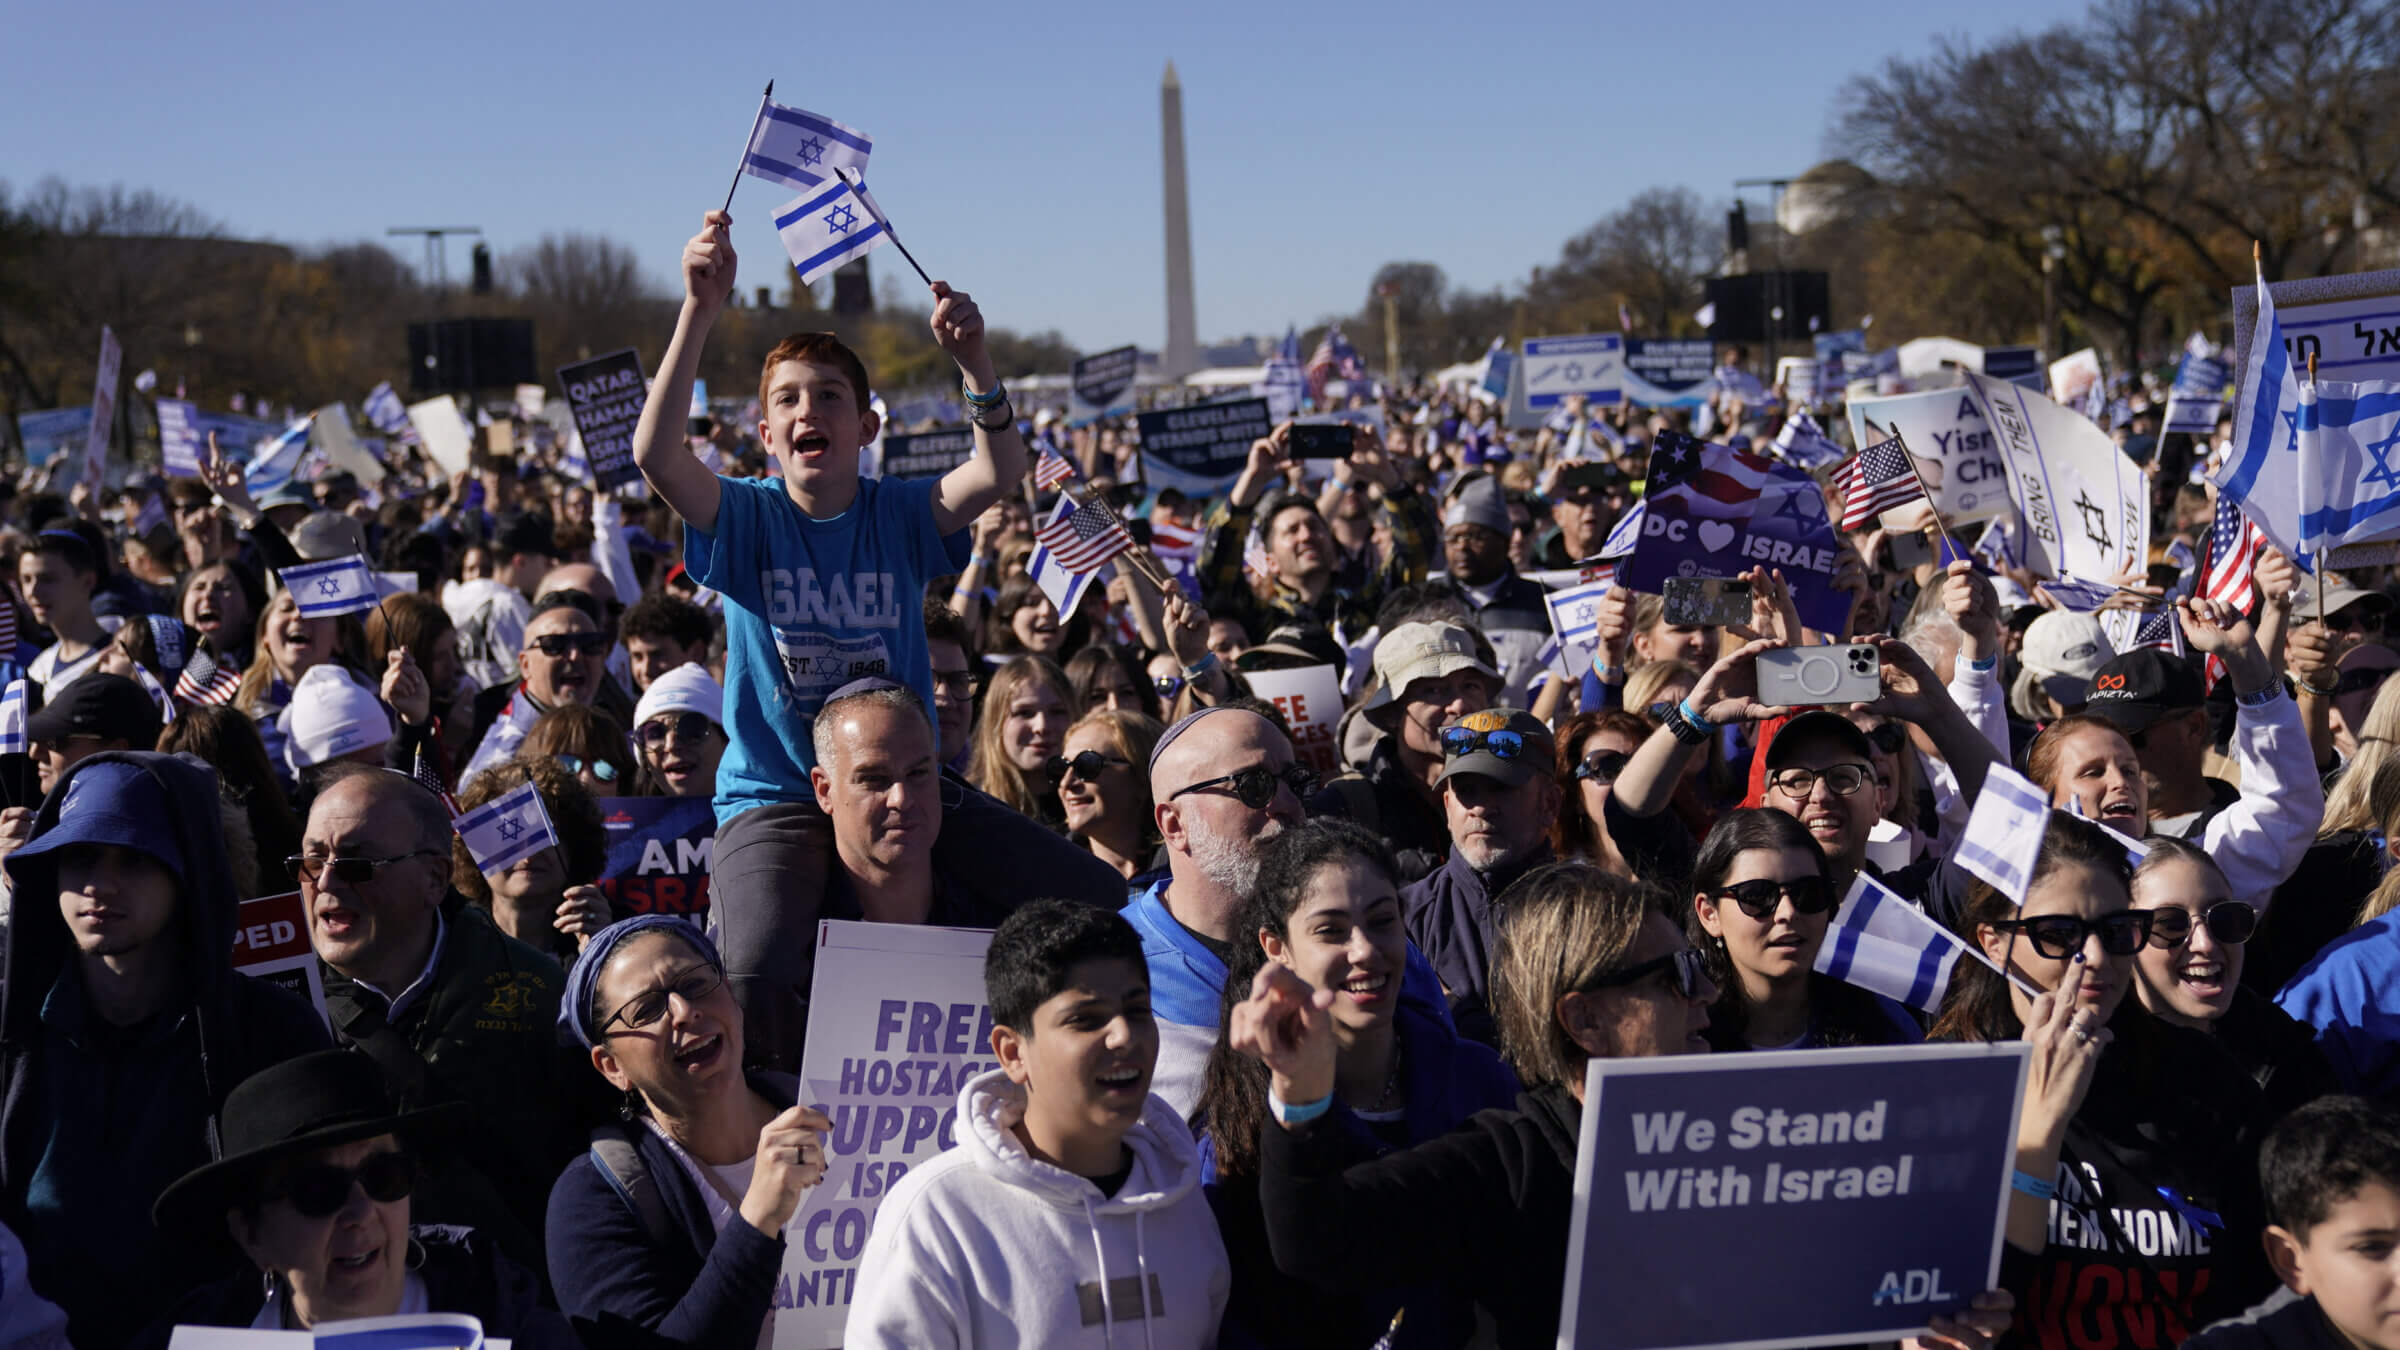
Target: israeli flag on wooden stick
<point>1881,942</point>
<point>802,149</point>
<point>2004,834</point>
<point>335,586</point>
<point>822,229</point>
<point>506,829</point>
<point>13,715</point>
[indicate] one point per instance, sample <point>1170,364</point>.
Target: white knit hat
<point>331,714</point>
<point>686,688</point>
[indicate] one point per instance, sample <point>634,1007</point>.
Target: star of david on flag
<point>335,586</point>
<point>1877,479</point>
<point>802,149</point>
<point>510,827</point>
<point>822,230</point>
<point>1575,626</point>
<point>2004,832</point>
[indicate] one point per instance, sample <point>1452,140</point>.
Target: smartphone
<point>1320,440</point>
<point>1707,602</point>
<point>1799,677</point>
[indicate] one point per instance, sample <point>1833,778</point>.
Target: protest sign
<point>2072,377</point>
<point>445,433</point>
<point>330,432</point>
<point>928,454</point>
<point>2017,365</point>
<point>1200,451</point>
<point>605,395</point>
<point>530,398</point>
<point>2085,506</point>
<point>1310,699</point>
<point>180,443</point>
<point>2198,397</point>
<point>1282,384</point>
<point>1558,368</point>
<point>1709,511</point>
<point>1499,372</point>
<point>270,942</point>
<point>1706,1187</point>
<point>896,1023</point>
<point>104,410</point>
<point>1951,443</point>
<point>2349,323</point>
<point>660,850</point>
<point>1801,378</point>
<point>1102,383</point>
<point>1669,372</point>
<point>1831,347</point>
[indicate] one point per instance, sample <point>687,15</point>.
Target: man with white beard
<point>1225,781</point>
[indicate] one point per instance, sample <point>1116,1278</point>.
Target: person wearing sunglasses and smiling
<point>564,660</point>
<point>679,729</point>
<point>2135,1199</point>
<point>1760,906</point>
<point>1598,745</point>
<point>1106,794</point>
<point>314,1187</point>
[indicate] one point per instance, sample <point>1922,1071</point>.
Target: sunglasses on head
<point>319,1192</point>
<point>2059,936</point>
<point>2230,923</point>
<point>1458,741</point>
<point>690,726</point>
<point>601,768</point>
<point>1760,898</point>
<point>1086,765</point>
<point>1684,964</point>
<point>1602,766</point>
<point>355,871</point>
<point>559,644</point>
<point>1255,786</point>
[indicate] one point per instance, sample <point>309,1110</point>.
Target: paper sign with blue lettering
<point>1200,451</point>
<point>660,850</point>
<point>1951,444</point>
<point>896,1022</point>
<point>2085,507</point>
<point>1788,1198</point>
<point>1709,511</point>
<point>1558,368</point>
<point>1669,372</point>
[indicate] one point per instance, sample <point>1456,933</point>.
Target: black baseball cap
<point>1816,725</point>
<point>110,707</point>
<point>2136,689</point>
<point>1533,760</point>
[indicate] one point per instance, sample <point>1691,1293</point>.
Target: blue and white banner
<point>1102,383</point>
<point>336,586</point>
<point>1712,511</point>
<point>1575,622</point>
<point>1557,368</point>
<point>1499,370</point>
<point>1881,942</point>
<point>2262,468</point>
<point>802,149</point>
<point>2198,398</point>
<point>2004,833</point>
<point>507,828</point>
<point>14,739</point>
<point>1669,372</point>
<point>2084,505</point>
<point>179,438</point>
<point>2349,486</point>
<point>1804,443</point>
<point>821,230</point>
<point>276,462</point>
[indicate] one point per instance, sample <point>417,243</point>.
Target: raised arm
<point>658,449</point>
<point>998,464</point>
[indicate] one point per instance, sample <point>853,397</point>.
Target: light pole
<point>437,258</point>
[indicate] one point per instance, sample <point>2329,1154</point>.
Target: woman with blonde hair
<point>1026,709</point>
<point>2346,865</point>
<point>1104,789</point>
<point>289,643</point>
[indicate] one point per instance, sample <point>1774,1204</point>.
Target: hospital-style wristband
<point>2026,1183</point>
<point>1288,1114</point>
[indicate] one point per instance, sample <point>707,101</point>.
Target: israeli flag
<point>157,692</point>
<point>2262,466</point>
<point>179,441</point>
<point>1881,942</point>
<point>2349,442</point>
<point>823,230</point>
<point>2004,834</point>
<point>802,149</point>
<point>13,716</point>
<point>1804,443</point>
<point>277,460</point>
<point>385,410</point>
<point>2198,397</point>
<point>1575,622</point>
<point>506,829</point>
<point>2083,597</point>
<point>323,590</point>
<point>1062,584</point>
<point>1627,532</point>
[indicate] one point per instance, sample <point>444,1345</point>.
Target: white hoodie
<point>987,1247</point>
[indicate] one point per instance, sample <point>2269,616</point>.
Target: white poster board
<point>1310,699</point>
<point>1947,436</point>
<point>446,434</point>
<point>2085,506</point>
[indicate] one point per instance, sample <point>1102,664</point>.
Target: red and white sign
<point>270,942</point>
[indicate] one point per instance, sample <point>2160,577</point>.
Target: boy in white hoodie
<point>1070,1212</point>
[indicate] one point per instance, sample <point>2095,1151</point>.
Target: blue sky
<point>1017,146</point>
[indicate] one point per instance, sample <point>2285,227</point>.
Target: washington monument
<point>1183,329</point>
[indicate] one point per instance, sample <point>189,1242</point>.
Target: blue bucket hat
<point>578,1022</point>
<point>110,802</point>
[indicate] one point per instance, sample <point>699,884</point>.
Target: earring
<point>266,1280</point>
<point>415,1260</point>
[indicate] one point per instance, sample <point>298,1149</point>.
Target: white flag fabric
<point>821,230</point>
<point>385,410</point>
<point>2085,506</point>
<point>506,829</point>
<point>2004,834</point>
<point>13,716</point>
<point>157,692</point>
<point>276,461</point>
<point>2261,469</point>
<point>335,586</point>
<point>2349,482</point>
<point>1881,942</point>
<point>802,149</point>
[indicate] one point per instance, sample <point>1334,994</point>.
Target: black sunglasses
<point>319,1192</point>
<point>690,726</point>
<point>1086,765</point>
<point>1255,786</point>
<point>2059,936</point>
<point>1684,962</point>
<point>2229,922</point>
<point>1602,766</point>
<point>1458,741</point>
<point>2368,620</point>
<point>646,1009</point>
<point>356,871</point>
<point>559,644</point>
<point>1760,898</point>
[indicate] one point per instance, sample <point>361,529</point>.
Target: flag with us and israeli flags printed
<point>2133,629</point>
<point>1881,942</point>
<point>2004,833</point>
<point>824,228</point>
<point>510,827</point>
<point>335,586</point>
<point>802,149</point>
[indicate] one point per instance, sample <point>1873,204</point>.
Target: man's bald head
<point>577,576</point>
<point>1210,744</point>
<point>366,789</point>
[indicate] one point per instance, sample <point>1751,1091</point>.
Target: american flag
<point>205,683</point>
<point>1624,317</point>
<point>1875,480</point>
<point>1051,469</point>
<point>1334,356</point>
<point>431,779</point>
<point>2131,630</point>
<point>1710,480</point>
<point>2231,555</point>
<point>1085,538</point>
<point>1172,539</point>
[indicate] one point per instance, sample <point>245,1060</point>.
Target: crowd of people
<point>1291,1050</point>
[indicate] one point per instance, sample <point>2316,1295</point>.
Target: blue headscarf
<point>576,1016</point>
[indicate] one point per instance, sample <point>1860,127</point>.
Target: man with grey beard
<point>1225,781</point>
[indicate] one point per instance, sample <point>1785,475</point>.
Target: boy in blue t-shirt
<point>823,576</point>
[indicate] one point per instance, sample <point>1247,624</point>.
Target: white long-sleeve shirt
<point>2259,840</point>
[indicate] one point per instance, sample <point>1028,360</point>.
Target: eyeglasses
<point>355,871</point>
<point>1603,766</point>
<point>2368,620</point>
<point>559,644</point>
<point>957,682</point>
<point>644,1010</point>
<point>1760,898</point>
<point>1840,779</point>
<point>1086,765</point>
<point>319,1192</point>
<point>2059,936</point>
<point>1685,962</point>
<point>2229,922</point>
<point>1255,786</point>
<point>601,768</point>
<point>690,726</point>
<point>1458,741</point>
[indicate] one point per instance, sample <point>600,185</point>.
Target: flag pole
<point>763,96</point>
<point>858,184</point>
<point>2319,569</point>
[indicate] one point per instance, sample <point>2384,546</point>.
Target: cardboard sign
<point>104,410</point>
<point>896,1022</point>
<point>1669,372</point>
<point>2086,507</point>
<point>1707,1187</point>
<point>1952,445</point>
<point>1200,451</point>
<point>928,454</point>
<point>660,852</point>
<point>1103,382</point>
<point>2072,377</point>
<point>605,395</point>
<point>1559,367</point>
<point>1709,511</point>
<point>444,432</point>
<point>270,942</point>
<point>1310,699</point>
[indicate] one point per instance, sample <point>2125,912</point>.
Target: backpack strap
<point>619,1162</point>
